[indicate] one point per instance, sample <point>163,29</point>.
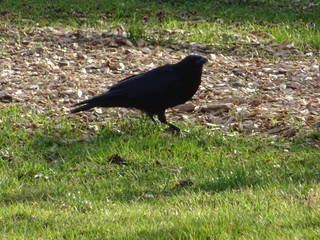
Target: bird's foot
<point>173,129</point>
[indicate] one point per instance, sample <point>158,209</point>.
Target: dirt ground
<point>49,69</point>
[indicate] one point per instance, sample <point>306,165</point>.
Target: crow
<point>153,91</point>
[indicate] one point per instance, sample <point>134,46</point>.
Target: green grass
<point>226,24</point>
<point>56,182</point>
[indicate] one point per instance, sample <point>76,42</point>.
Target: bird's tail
<point>82,108</point>
<point>103,100</point>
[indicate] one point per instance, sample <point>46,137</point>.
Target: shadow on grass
<point>32,195</point>
<point>180,231</point>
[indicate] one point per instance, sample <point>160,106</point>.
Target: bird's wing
<point>154,82</point>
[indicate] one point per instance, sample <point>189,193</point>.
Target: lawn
<point>116,175</point>
<point>58,182</point>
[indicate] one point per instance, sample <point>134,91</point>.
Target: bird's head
<point>191,65</point>
<point>190,68</point>
<point>194,60</point>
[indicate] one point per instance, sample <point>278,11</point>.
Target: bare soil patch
<point>53,68</point>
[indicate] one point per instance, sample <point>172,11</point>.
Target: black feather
<point>153,91</point>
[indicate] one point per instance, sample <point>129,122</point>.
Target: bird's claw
<point>173,129</point>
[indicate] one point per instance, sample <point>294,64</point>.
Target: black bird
<point>154,91</point>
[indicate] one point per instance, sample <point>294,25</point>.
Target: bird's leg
<point>162,119</point>
<point>151,117</point>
